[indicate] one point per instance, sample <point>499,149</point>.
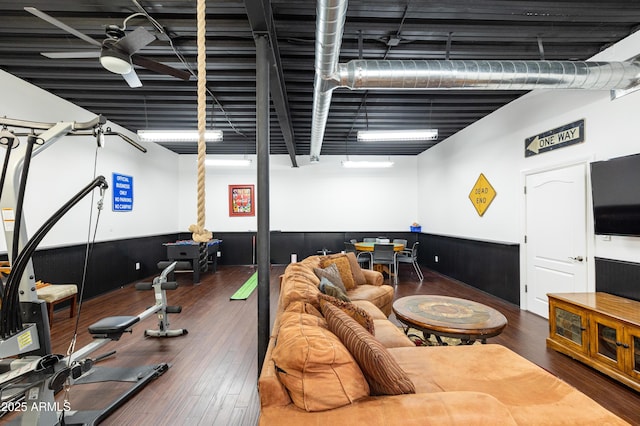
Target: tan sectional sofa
<point>323,367</point>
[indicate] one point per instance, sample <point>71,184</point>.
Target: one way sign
<point>560,137</point>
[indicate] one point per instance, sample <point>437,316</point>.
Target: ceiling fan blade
<point>132,79</point>
<point>135,40</point>
<point>160,68</point>
<point>62,26</point>
<point>72,55</point>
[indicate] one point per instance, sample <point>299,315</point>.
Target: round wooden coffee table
<point>445,316</point>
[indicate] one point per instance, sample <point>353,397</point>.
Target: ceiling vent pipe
<point>330,17</point>
<point>491,75</point>
<point>447,74</point>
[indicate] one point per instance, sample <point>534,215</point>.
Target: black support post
<point>262,149</point>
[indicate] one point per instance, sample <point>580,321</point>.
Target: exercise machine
<point>30,374</point>
<point>31,387</point>
<point>113,327</point>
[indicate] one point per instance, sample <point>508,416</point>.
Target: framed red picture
<point>241,200</point>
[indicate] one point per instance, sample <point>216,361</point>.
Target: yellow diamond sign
<point>482,194</point>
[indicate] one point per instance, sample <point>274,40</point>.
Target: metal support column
<point>263,236</point>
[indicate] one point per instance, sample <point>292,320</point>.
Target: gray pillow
<point>331,290</point>
<point>332,274</point>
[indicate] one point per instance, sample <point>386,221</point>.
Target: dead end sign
<point>560,137</point>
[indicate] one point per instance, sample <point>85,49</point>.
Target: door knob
<point>577,258</point>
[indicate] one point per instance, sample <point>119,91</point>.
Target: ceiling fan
<point>117,51</point>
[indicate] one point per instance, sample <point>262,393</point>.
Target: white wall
<point>313,197</point>
<point>61,170</point>
<point>495,146</point>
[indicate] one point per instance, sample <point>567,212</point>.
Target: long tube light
<point>366,164</point>
<point>227,162</point>
<point>397,135</point>
<point>178,135</point>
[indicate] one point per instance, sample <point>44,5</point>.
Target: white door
<point>556,247</point>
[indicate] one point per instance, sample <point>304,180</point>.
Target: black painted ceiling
<point>375,29</point>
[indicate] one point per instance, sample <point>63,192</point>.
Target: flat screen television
<point>615,189</point>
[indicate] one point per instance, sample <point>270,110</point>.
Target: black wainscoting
<point>489,266</point>
<point>237,247</point>
<point>618,277</point>
<point>112,263</point>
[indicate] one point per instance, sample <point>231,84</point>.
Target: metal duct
<point>446,74</point>
<point>493,75</point>
<point>329,26</point>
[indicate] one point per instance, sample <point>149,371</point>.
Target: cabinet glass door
<point>569,325</point>
<point>606,338</point>
<point>633,364</point>
<point>636,354</point>
<point>606,343</point>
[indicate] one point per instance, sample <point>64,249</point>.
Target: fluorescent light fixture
<point>397,135</point>
<point>227,162</point>
<point>178,135</point>
<point>367,164</point>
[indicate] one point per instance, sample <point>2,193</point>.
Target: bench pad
<point>113,325</point>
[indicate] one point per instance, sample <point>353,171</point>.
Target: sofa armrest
<point>373,277</point>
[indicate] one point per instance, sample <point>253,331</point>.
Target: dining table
<point>368,247</point>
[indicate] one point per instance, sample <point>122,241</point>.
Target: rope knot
<point>199,234</point>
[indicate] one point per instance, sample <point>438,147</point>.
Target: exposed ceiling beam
<point>261,22</point>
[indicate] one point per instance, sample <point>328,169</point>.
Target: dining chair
<point>383,254</point>
<point>369,240</point>
<point>410,256</point>
<point>362,257</point>
<point>400,241</point>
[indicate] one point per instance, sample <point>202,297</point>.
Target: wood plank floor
<point>213,369</point>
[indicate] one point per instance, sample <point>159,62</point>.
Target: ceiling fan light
<point>397,135</point>
<point>116,62</point>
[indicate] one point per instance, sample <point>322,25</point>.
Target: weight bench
<point>182,266</point>
<point>112,327</point>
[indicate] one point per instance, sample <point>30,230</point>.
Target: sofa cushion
<point>304,308</point>
<point>356,270</point>
<point>381,296</point>
<point>422,409</point>
<point>315,367</point>
<point>371,309</point>
<point>360,315</point>
<point>326,287</point>
<point>390,335</point>
<point>331,273</point>
<point>344,267</point>
<point>296,287</point>
<point>303,269</point>
<point>383,373</point>
<point>533,395</point>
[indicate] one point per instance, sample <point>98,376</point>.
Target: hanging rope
<point>199,233</point>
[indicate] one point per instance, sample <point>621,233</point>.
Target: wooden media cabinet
<point>600,330</point>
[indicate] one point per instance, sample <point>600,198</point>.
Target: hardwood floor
<point>213,369</point>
